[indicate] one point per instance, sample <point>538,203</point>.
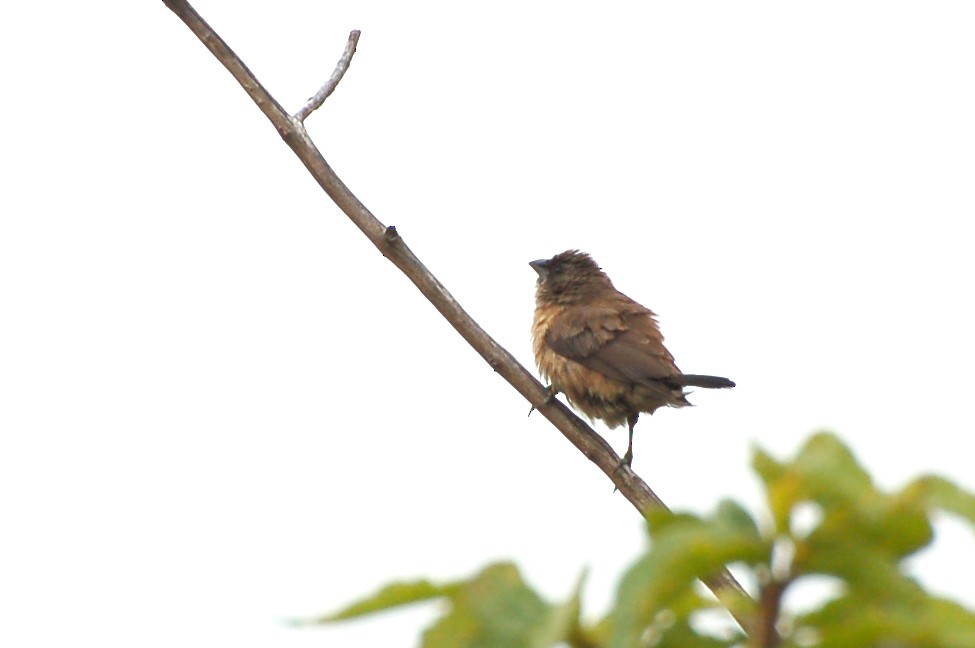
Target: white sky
<point>221,407</point>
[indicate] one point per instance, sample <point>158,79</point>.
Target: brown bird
<point>601,349</point>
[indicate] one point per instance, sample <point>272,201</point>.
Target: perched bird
<point>601,349</point>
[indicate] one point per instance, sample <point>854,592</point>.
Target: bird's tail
<point>708,382</point>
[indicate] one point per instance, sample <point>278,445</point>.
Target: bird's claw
<point>625,462</point>
<point>550,394</point>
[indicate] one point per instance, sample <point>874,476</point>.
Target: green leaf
<point>684,549</point>
<point>733,516</point>
<point>562,622</point>
<point>824,471</point>
<point>918,621</point>
<point>495,609</point>
<point>954,624</point>
<point>831,472</point>
<point>658,521</point>
<point>887,525</point>
<point>871,574</point>
<point>783,488</point>
<point>854,512</point>
<point>681,634</point>
<point>391,596</point>
<point>937,492</point>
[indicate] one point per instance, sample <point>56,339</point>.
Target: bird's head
<point>569,276</point>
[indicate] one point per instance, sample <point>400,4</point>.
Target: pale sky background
<point>221,407</point>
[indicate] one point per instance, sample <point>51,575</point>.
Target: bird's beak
<point>540,266</point>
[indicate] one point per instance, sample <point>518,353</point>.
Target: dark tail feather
<point>708,382</point>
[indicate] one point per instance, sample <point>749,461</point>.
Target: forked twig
<point>392,246</point>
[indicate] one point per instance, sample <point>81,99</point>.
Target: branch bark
<point>391,245</point>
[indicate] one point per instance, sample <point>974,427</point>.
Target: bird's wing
<point>621,343</point>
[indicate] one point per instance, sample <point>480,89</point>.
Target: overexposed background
<point>221,408</point>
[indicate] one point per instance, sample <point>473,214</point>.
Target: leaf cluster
<point>826,519</point>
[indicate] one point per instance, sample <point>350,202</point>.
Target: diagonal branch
<point>340,68</point>
<point>392,246</point>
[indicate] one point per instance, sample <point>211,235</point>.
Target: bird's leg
<point>550,394</point>
<point>628,457</point>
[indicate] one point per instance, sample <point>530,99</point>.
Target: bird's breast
<point>592,393</point>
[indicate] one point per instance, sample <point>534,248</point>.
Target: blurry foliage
<point>859,539</point>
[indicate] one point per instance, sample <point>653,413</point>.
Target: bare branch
<point>391,245</point>
<point>340,68</point>
<point>260,96</point>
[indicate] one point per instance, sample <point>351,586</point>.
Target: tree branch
<point>392,246</point>
<point>340,68</point>
<point>765,634</point>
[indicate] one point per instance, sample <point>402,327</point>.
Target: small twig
<point>392,246</point>
<point>340,68</point>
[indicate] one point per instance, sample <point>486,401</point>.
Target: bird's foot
<point>550,394</point>
<point>627,462</point>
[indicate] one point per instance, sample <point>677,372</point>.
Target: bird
<point>601,349</point>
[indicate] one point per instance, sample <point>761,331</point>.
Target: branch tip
<point>340,69</point>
